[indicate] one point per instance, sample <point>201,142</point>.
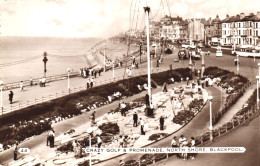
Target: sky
<point>104,18</point>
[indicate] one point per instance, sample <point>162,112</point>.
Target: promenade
<point>195,127</point>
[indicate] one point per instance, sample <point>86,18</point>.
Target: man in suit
<point>135,118</point>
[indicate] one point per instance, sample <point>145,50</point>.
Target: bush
<point>158,136</point>
<point>146,159</point>
<point>131,163</point>
<point>183,117</point>
<point>111,128</point>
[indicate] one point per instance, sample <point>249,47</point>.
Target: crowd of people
<point>182,142</point>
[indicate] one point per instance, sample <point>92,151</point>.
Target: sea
<point>22,57</point>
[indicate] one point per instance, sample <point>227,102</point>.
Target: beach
<point>22,57</point>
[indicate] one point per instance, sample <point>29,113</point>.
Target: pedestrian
<point>21,85</point>
<point>95,73</point>
<point>88,84</point>
<point>165,87</point>
<point>43,81</point>
<point>142,126</point>
<point>174,142</point>
<point>187,79</point>
<point>11,95</point>
<point>99,72</point>
<point>51,138</point>
<point>40,82</point>
<point>192,144</point>
<point>99,141</point>
<point>182,139</point>
<point>198,81</point>
<point>185,155</point>
<point>16,151</point>
<point>157,64</point>
<point>135,118</point>
<point>91,82</point>
<point>161,122</point>
<point>202,84</point>
<point>31,81</point>
<point>121,141</point>
<point>172,95</point>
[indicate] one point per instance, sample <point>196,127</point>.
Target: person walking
<point>88,84</point>
<point>135,118</point>
<point>161,122</point>
<point>91,82</point>
<point>187,79</point>
<point>99,141</point>
<point>11,95</point>
<point>174,142</point>
<point>142,126</point>
<point>147,102</point>
<point>31,81</point>
<point>43,81</point>
<point>51,138</point>
<point>192,144</point>
<point>21,85</point>
<point>16,151</point>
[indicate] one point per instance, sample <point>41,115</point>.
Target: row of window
<point>249,24</point>
<point>241,32</point>
<point>242,41</point>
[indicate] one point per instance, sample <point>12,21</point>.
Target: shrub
<point>111,128</point>
<point>158,136</point>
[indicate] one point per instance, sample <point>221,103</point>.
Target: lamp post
<point>90,132</point>
<point>202,66</point>
<point>147,10</point>
<point>68,79</point>
<point>237,64</point>
<point>1,88</point>
<point>45,61</point>
<point>113,70</point>
<point>104,57</point>
<point>257,92</point>
<point>140,51</point>
<point>210,98</point>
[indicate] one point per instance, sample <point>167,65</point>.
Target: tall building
<point>170,28</point>
<point>241,29</point>
<point>196,29</point>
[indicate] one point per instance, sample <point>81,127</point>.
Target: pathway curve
<point>236,107</point>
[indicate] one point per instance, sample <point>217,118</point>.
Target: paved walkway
<point>235,108</point>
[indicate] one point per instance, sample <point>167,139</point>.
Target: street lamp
<point>45,61</point>
<point>1,88</point>
<point>257,92</point>
<point>113,69</point>
<point>104,57</point>
<point>68,79</point>
<point>237,64</point>
<point>90,132</point>
<point>210,98</point>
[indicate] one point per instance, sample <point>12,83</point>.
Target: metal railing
<point>35,81</point>
<point>62,93</point>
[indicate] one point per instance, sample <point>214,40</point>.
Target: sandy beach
<point>21,57</point>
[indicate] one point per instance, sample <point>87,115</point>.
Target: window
<point>256,32</point>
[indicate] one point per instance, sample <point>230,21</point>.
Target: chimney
<point>258,15</point>
<point>251,14</point>
<point>242,15</point>
<point>227,16</point>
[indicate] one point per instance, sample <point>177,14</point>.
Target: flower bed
<point>183,117</point>
<point>111,128</point>
<point>146,159</point>
<point>131,163</point>
<point>158,136</point>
